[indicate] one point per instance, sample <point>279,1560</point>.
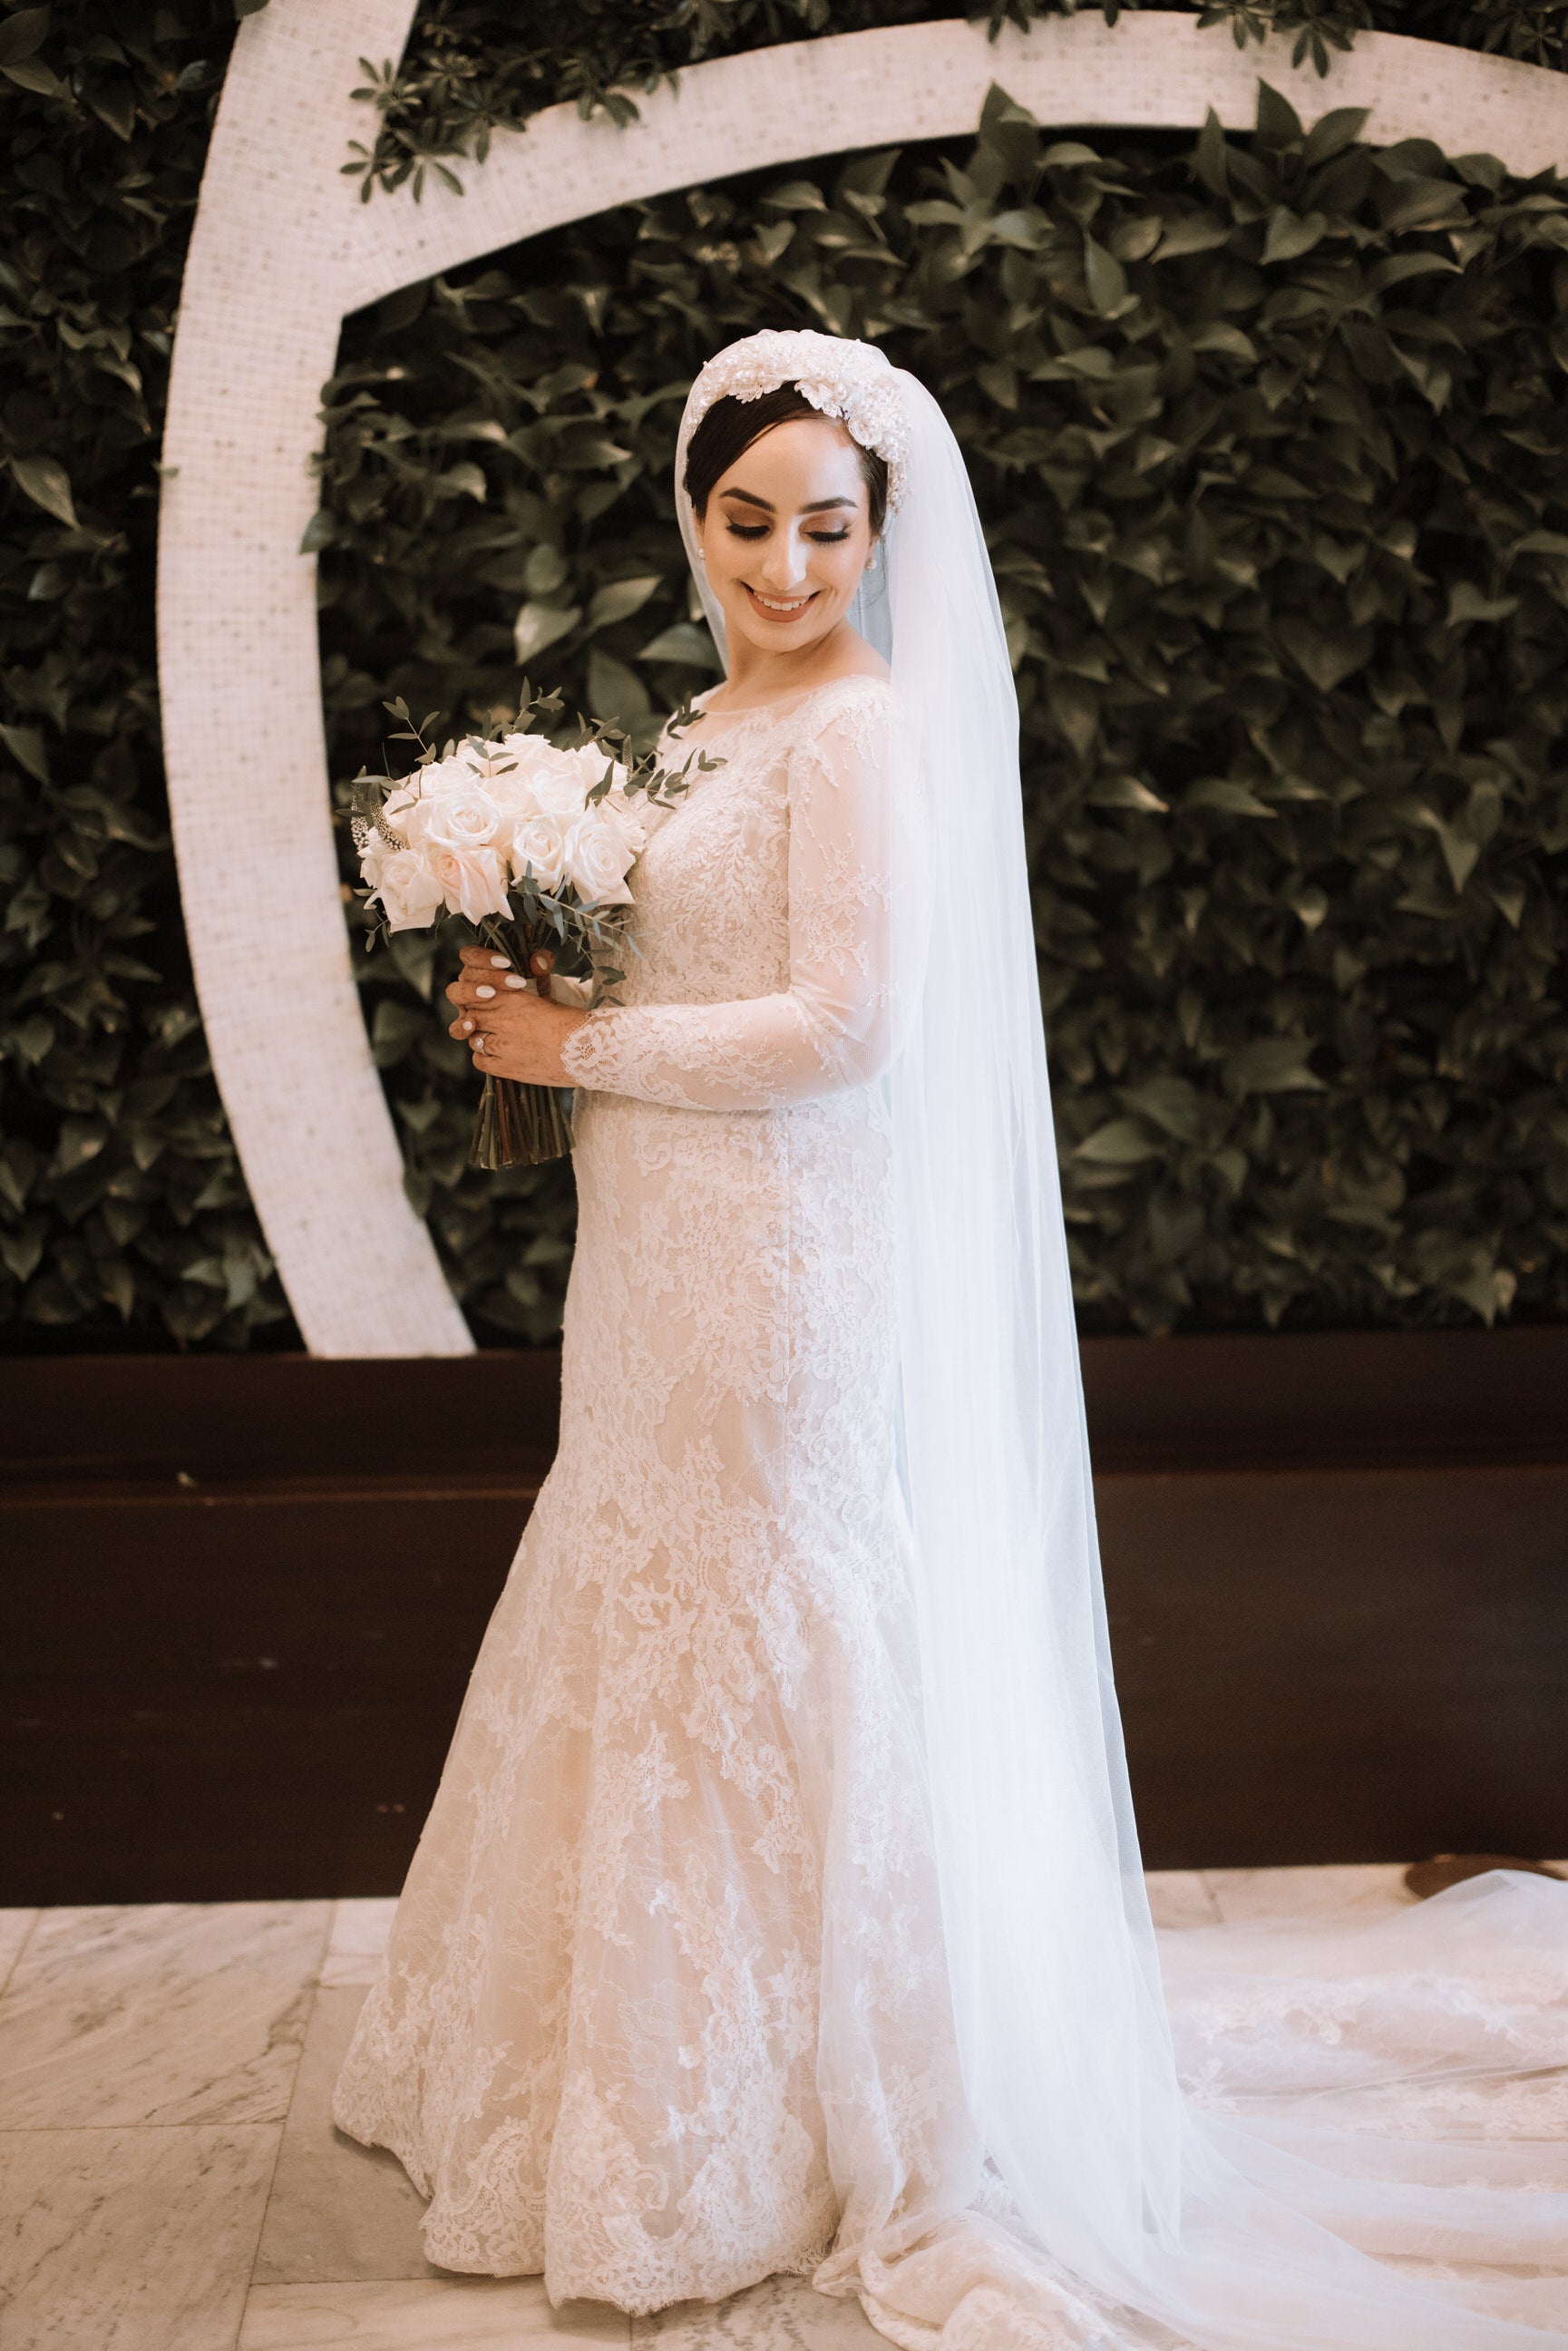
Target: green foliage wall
<point>1270,438</point>
<point>122,1210</point>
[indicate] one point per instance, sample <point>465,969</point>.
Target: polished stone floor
<point>170,2179</point>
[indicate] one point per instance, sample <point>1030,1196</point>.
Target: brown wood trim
<point>243,1597</point>
<point>1299,1400</point>
<point>1329,1399</point>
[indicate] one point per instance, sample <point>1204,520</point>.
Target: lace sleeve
<point>832,1026</point>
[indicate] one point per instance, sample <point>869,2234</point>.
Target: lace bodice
<point>761,917</point>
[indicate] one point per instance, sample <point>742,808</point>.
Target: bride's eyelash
<point>759,531</point>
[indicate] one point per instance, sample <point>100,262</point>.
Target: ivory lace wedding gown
<point>665,2008</point>
<point>686,1781</point>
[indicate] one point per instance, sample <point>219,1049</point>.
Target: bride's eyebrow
<point>751,498</point>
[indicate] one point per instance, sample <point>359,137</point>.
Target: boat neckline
<point>786,701</point>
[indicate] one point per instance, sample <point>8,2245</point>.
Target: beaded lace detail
<point>853,381</point>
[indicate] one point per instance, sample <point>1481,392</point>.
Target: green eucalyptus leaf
<point>1273,1065</point>
<point>684,642</point>
<point>1104,278</point>
<point>1228,795</point>
<point>25,745</point>
<point>1120,1143</point>
<point>537,626</point>
<point>621,598</point>
<point>1332,132</point>
<point>1291,236</point>
<point>45,481</point>
<point>21,33</point>
<point>615,692</point>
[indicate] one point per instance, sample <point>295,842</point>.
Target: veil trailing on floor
<point>1274,2147</point>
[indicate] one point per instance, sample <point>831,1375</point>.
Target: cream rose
<point>563,796</point>
<point>540,841</point>
<point>597,857</point>
<point>472,882</point>
<point>560,780</point>
<point>513,795</point>
<point>408,892</point>
<point>404,812</point>
<point>619,807</point>
<point>461,817</point>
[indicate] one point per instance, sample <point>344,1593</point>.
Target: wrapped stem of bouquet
<point>528,845</point>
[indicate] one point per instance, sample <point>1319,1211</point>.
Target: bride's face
<point>787,535</point>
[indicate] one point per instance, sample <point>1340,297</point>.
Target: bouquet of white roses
<point>528,844</point>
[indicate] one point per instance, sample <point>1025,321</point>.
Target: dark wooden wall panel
<point>242,1597</point>
<point>1342,1666</point>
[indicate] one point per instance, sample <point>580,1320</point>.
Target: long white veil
<point>1125,2213</point>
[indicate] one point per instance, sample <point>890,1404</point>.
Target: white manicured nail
<point>483,990</point>
<point>512,980</point>
<point>466,1026</point>
<point>501,963</point>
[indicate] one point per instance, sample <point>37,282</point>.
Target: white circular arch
<point>280,251</point>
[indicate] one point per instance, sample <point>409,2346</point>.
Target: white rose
<point>539,840</point>
<point>597,857</point>
<point>461,817</point>
<point>617,806</point>
<point>408,892</point>
<point>513,795</point>
<point>403,811</point>
<point>472,882</point>
<point>590,763</point>
<point>562,795</point>
<point>520,819</point>
<point>476,754</point>
<point>410,807</point>
<point>561,780</point>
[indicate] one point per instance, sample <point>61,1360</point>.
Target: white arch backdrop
<point>280,251</point>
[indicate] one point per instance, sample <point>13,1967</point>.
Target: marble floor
<point>171,2177</point>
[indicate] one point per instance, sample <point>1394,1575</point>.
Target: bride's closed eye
<point>759,531</point>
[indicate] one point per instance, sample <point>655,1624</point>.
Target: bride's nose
<point>783,566</point>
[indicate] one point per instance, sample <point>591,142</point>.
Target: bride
<point>781,1907</point>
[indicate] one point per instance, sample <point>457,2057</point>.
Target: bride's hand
<point>511,1030</point>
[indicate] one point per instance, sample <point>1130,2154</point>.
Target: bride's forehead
<point>805,457</point>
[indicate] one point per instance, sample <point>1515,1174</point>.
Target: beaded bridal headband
<point>852,380</point>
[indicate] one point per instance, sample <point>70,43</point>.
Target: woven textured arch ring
<point>281,250</point>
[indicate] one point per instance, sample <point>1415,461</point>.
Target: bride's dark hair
<point>730,427</point>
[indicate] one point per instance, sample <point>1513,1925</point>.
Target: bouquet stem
<point>518,1126</point>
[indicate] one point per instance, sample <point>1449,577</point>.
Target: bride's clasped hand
<point>511,1030</point>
